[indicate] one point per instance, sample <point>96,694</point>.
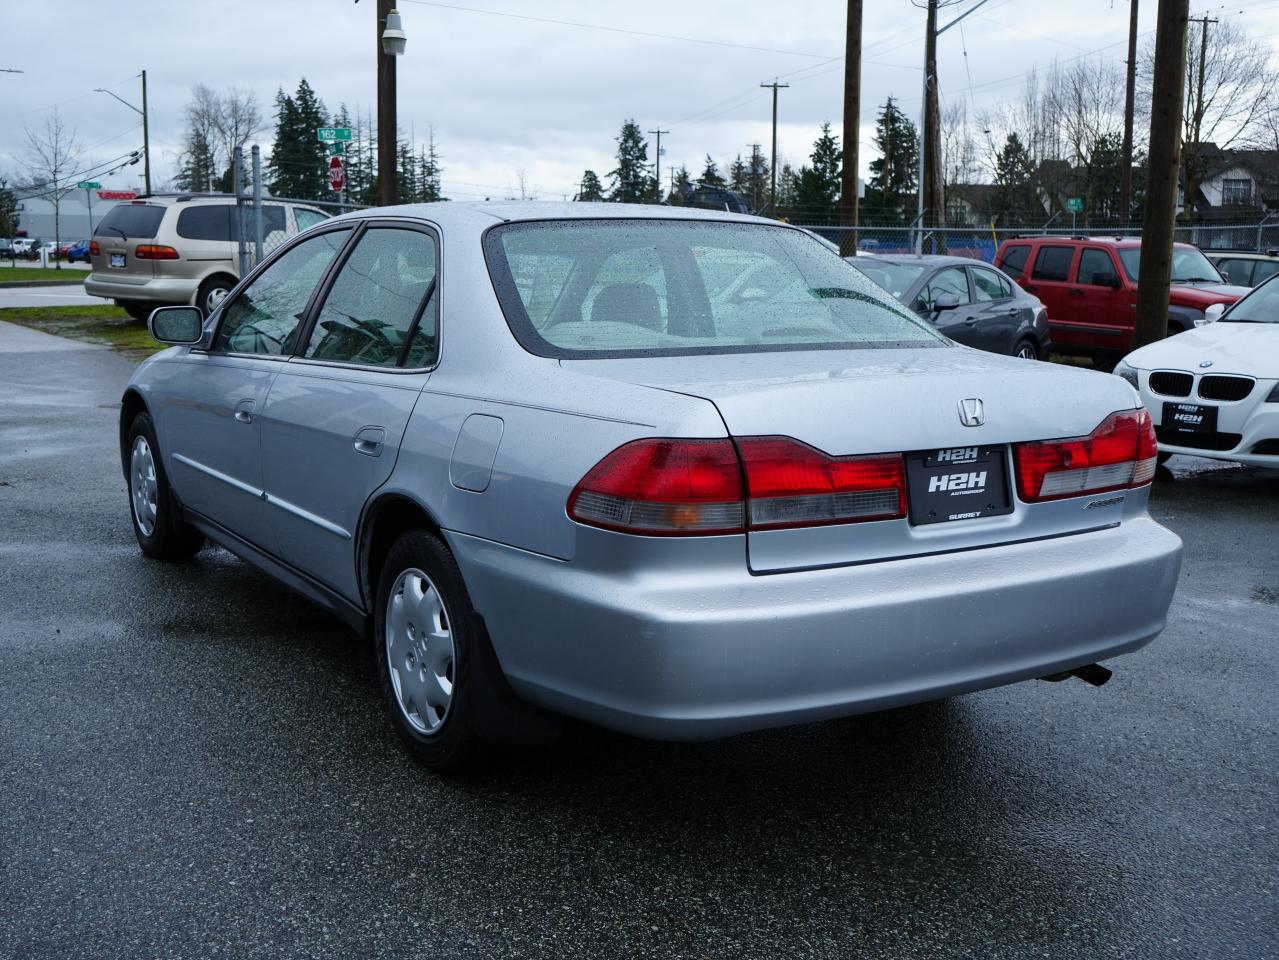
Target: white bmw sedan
<point>1214,391</point>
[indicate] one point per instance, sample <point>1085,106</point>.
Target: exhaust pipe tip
<point>1091,673</point>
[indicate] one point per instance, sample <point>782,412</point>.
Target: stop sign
<point>337,176</point>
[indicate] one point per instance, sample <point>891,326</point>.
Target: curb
<point>8,284</point>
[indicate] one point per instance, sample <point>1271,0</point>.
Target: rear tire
<point>161,533</point>
<point>137,309</point>
<point>423,632</point>
<point>1026,349</point>
<point>212,292</point>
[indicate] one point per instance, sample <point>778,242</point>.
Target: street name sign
<point>333,133</point>
<point>88,185</point>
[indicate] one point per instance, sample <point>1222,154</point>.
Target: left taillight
<point>94,249</point>
<point>664,487</point>
<point>1120,453</point>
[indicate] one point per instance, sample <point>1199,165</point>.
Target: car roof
<point>1120,243</point>
<point>472,213</point>
<point>930,260</point>
<point>1244,254</point>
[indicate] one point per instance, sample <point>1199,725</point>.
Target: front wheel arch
<point>131,404</point>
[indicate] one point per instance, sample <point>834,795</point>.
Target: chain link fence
<point>262,220</point>
<point>980,243</point>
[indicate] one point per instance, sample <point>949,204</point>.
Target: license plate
<point>1189,418</point>
<point>117,260</point>
<point>957,483</point>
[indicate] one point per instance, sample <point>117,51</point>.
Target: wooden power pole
<point>1125,175</point>
<point>852,126</point>
<point>1162,169</point>
<point>772,190</point>
<point>386,123</point>
<point>934,203</point>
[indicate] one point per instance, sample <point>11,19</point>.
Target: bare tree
<point>958,148</point>
<point>217,123</point>
<point>1228,85</point>
<point>52,157</point>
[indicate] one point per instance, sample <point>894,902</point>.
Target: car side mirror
<point>176,325</point>
<point>945,301</point>
<point>1211,315</point>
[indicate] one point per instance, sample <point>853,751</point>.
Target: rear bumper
<point>156,290</point>
<point>708,650</point>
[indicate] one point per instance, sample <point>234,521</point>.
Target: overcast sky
<point>506,94</point>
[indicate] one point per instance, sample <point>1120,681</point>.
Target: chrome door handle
<point>244,411</point>
<point>970,321</point>
<point>368,441</point>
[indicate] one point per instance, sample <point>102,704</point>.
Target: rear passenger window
<point>1053,263</point>
<point>1096,268</point>
<point>369,315</point>
<point>1015,259</point>
<point>988,285</point>
<point>1264,270</point>
<point>217,221</point>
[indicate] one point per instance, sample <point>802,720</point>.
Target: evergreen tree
<point>682,184</point>
<point>894,174</point>
<point>353,154</point>
<point>429,170</point>
<point>405,173</point>
<point>817,188</point>
<point>630,179</point>
<point>711,175</point>
<point>8,210</point>
<point>739,176</point>
<point>1013,200</point>
<point>197,165</point>
<point>299,161</point>
<point>591,189</point>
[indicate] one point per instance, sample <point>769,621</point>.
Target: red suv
<point>1089,287</point>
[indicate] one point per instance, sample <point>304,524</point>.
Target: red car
<point>1089,287</point>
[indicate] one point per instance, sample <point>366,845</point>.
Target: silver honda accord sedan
<point>676,472</point>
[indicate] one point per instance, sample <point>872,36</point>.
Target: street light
<point>146,138</point>
<point>390,44</point>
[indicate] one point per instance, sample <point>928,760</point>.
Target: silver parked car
<point>677,472</point>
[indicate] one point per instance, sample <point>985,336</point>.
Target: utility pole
<point>1162,167</point>
<point>930,196</point>
<point>146,137</point>
<point>386,123</point>
<point>1125,175</point>
<point>852,127</point>
<point>929,157</point>
<point>772,192</point>
<point>1192,178</point>
<point>657,164</point>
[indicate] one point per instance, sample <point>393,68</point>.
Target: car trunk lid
<point>900,401</point>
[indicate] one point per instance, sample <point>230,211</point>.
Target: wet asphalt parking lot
<point>196,763</point>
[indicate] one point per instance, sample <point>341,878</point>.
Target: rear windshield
<point>896,278</point>
<point>619,288</point>
<point>135,221</point>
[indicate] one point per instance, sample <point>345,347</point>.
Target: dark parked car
<point>972,303</point>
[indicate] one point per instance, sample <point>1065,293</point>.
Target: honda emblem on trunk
<point>972,412</point>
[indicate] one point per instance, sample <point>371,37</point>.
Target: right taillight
<point>1120,453</point>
